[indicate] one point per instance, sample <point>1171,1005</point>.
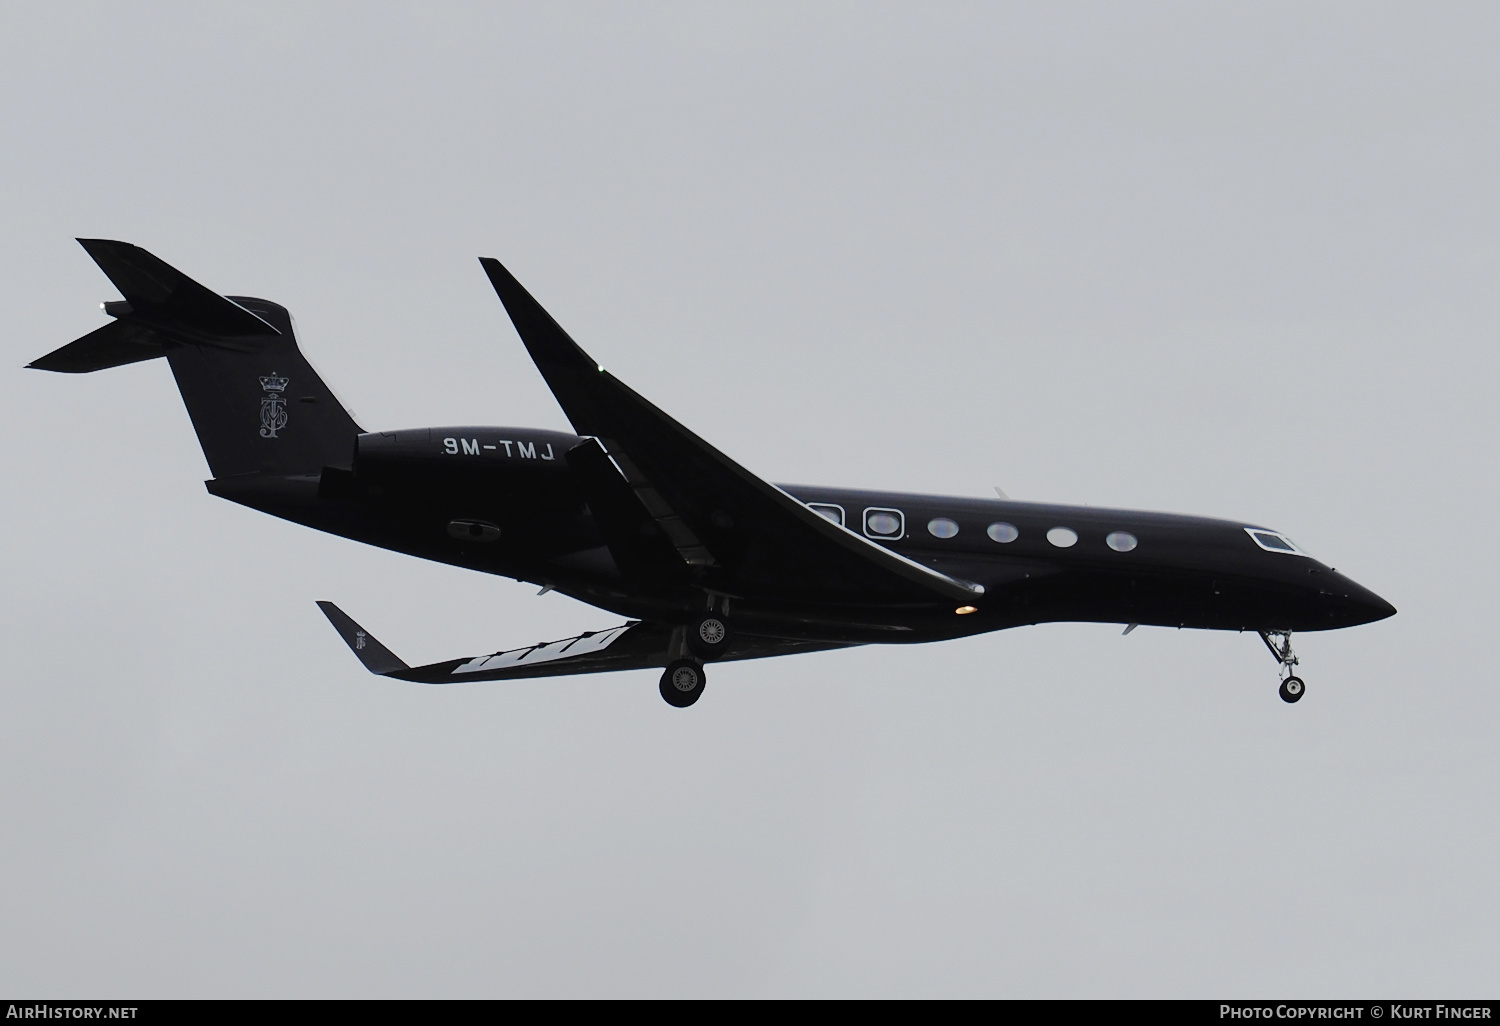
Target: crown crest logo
<point>272,405</point>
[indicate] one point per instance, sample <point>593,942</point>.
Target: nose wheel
<point>1280,643</point>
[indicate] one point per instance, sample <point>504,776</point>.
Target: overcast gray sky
<point>1240,260</point>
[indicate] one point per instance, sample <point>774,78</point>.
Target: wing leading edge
<point>733,530</point>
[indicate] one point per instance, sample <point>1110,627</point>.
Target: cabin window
<point>942,527</point>
<point>829,510</point>
<point>885,523</point>
<point>1273,542</point>
<point>1120,541</point>
<point>1063,537</point>
<point>1003,533</point>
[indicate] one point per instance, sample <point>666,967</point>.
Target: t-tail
<point>255,401</point>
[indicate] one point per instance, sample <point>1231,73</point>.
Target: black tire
<point>682,683</point>
<point>1292,689</point>
<point>708,636</point>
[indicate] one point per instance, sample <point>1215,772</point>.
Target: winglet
<point>375,656</point>
<point>567,369</point>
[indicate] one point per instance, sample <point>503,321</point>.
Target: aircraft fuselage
<point>506,501</point>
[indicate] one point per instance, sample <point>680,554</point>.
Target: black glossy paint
<point>637,515</point>
<point>1184,572</point>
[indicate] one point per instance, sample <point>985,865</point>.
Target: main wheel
<point>708,636</point>
<point>1292,689</point>
<point>682,683</point>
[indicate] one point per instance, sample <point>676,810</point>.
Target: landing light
<point>966,610</point>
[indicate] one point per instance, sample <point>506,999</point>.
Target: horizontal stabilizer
<point>162,295</point>
<point>376,657</point>
<point>114,345</point>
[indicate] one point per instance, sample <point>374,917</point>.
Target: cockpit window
<point>1273,542</point>
<point>829,510</point>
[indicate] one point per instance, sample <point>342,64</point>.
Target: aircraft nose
<point>1352,604</point>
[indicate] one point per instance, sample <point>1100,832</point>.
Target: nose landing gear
<point>1280,643</point>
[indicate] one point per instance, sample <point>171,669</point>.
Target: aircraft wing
<point>731,530</point>
<point>630,646</point>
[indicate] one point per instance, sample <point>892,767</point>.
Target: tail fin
<point>255,401</point>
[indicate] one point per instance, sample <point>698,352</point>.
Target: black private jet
<point>637,515</point>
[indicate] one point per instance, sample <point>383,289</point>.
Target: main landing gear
<point>682,682</point>
<point>1280,644</point>
<point>700,641</point>
<point>708,636</point>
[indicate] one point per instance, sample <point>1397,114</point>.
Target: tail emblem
<point>272,407</point>
<point>359,639</point>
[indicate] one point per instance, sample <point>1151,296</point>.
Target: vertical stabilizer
<point>257,404</point>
